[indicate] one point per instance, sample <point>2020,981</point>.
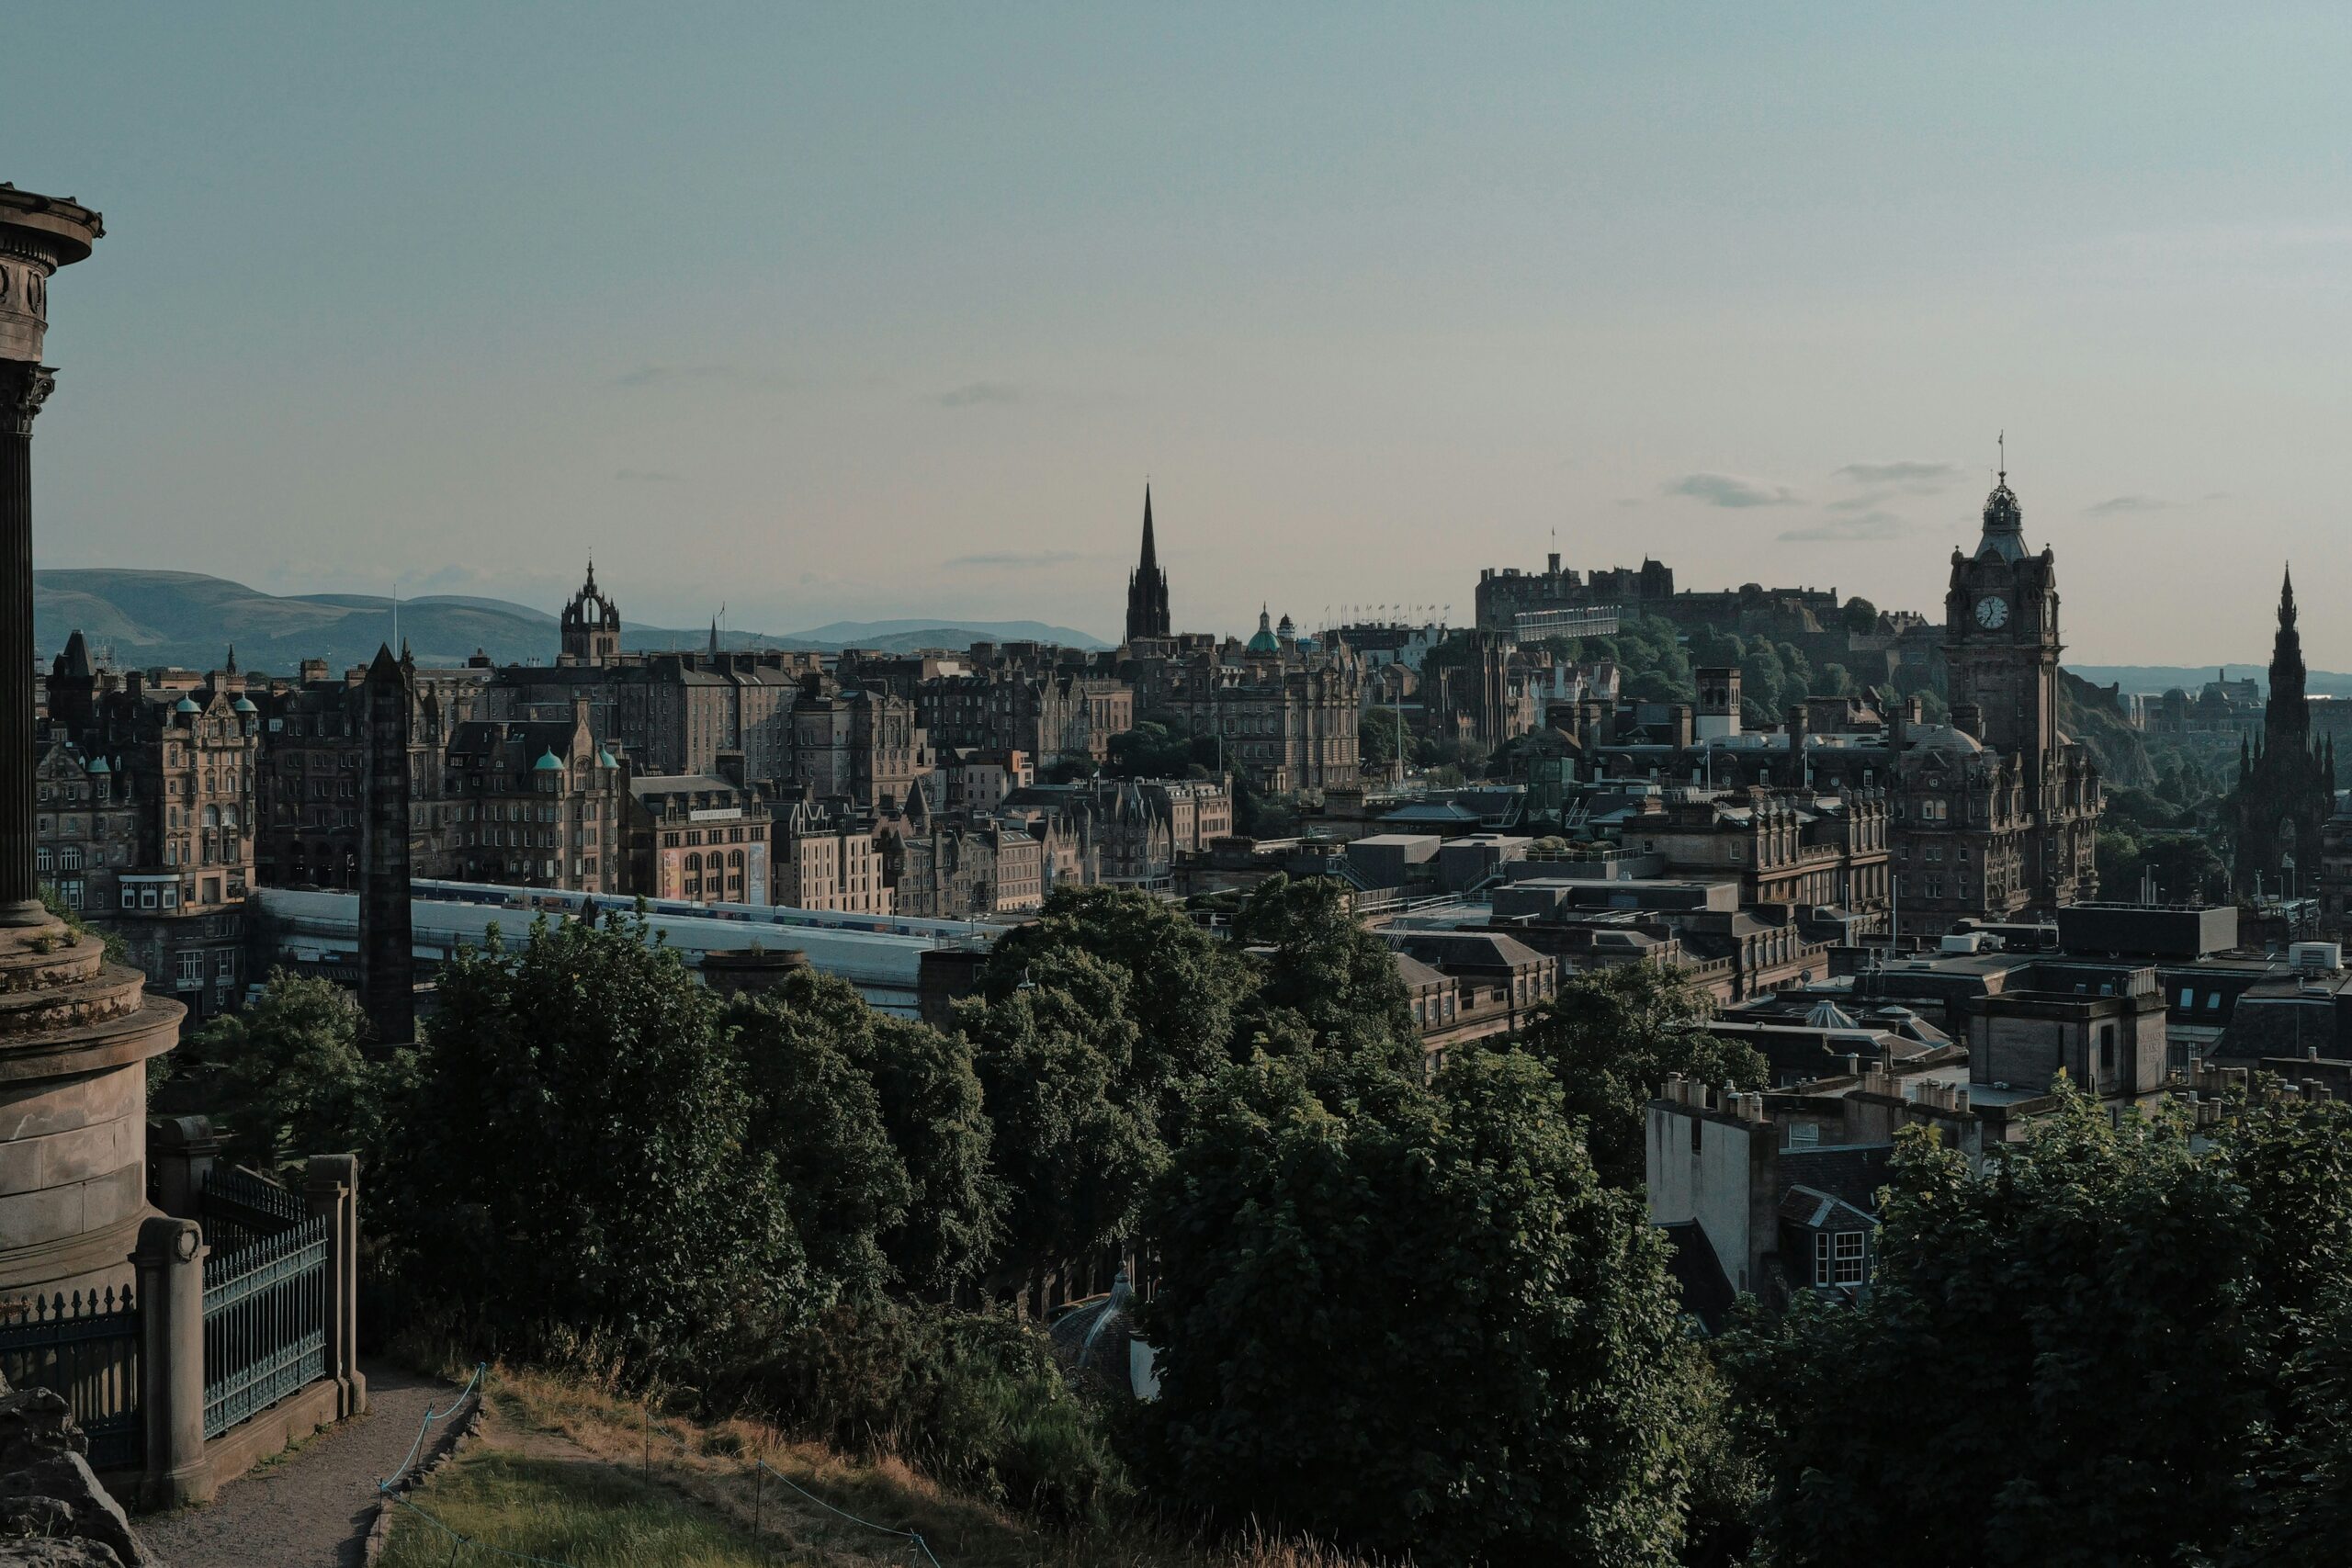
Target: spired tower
<point>2001,651</point>
<point>1147,588</point>
<point>591,626</point>
<point>2286,787</point>
<point>2001,641</point>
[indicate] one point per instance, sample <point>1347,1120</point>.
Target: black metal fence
<point>85,1347</point>
<point>266,1297</point>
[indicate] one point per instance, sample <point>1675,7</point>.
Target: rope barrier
<point>459,1539</point>
<point>869,1524</point>
<point>431,1416</point>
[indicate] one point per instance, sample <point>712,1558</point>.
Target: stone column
<point>170,1260</point>
<point>331,1189</point>
<point>23,386</point>
<point>37,235</point>
<point>181,1151</point>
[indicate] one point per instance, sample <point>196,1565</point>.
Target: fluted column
<point>23,387</point>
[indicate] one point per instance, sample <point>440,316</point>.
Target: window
<point>2107,1048</point>
<point>191,969</point>
<point>1848,1257</point>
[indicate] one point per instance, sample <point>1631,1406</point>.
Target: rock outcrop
<point>52,1510</point>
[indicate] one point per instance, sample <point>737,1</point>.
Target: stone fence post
<point>170,1260</point>
<point>181,1152</point>
<point>332,1188</point>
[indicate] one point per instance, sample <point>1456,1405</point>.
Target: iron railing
<point>241,1207</point>
<point>265,1314</point>
<point>86,1349</point>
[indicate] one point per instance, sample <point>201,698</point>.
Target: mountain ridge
<point>193,619</point>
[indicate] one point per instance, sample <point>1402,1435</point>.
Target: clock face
<point>1993,613</point>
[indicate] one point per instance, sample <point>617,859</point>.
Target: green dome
<point>604,759</point>
<point>549,760</point>
<point>243,704</point>
<point>1264,642</point>
<point>185,704</point>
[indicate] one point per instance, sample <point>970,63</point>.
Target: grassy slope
<point>560,1472</point>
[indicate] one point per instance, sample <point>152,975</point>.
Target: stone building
<point>825,860</point>
<point>699,836</point>
<point>864,747</point>
<point>1285,709</point>
<point>2286,791</point>
<point>670,712</point>
<point>313,757</point>
<point>1557,602</point>
<point>965,872</point>
<point>538,803</point>
<point>179,750</point>
<point>1050,712</point>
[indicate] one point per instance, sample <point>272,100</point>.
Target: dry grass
<point>708,1467</point>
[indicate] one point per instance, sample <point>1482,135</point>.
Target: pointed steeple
<point>1148,586</point>
<point>2286,719</point>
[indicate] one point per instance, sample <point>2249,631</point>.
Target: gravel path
<point>310,1508</point>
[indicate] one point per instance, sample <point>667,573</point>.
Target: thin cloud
<point>1729,490</point>
<point>653,374</point>
<point>1872,527</point>
<point>1904,471</point>
<point>974,393</point>
<point>2118,504</point>
<point>646,476</point>
<point>1015,560</point>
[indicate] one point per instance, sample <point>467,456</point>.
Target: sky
<point>848,311</point>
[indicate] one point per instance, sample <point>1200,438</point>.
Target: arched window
<point>70,858</point>
<point>212,816</point>
<point>693,861</point>
<point>736,860</point>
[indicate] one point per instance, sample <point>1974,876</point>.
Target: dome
<point>243,704</point>
<point>2004,537</point>
<point>1944,737</point>
<point>98,765</point>
<point>1264,642</point>
<point>547,761</point>
<point>185,704</point>
<point>604,759</point>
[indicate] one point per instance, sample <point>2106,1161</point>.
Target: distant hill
<point>2160,678</point>
<point>188,618</point>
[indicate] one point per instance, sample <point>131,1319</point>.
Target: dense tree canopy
<point>1328,981</point>
<point>1412,1319</point>
<point>295,1082</point>
<point>1612,1037</point>
<point>2114,1346</point>
<point>571,1163</point>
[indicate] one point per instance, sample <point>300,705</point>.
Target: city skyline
<point>850,308</point>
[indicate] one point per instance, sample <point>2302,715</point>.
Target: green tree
<point>1414,1321</point>
<point>568,1170</point>
<point>926,1203</point>
<point>1182,984</point>
<point>1861,617</point>
<point>816,1117</point>
<point>1071,1151</point>
<point>1612,1037</point>
<point>2098,1395</point>
<point>297,1080</point>
<point>1326,979</point>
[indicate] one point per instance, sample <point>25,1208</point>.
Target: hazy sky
<point>859,311</point>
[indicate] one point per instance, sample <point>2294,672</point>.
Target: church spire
<point>1148,586</point>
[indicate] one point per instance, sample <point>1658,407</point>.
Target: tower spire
<point>1147,585</point>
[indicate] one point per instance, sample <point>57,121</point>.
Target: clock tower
<point>2001,642</point>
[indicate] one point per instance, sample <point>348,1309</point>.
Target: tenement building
<point>313,756</point>
<point>538,803</point>
<point>175,826</point>
<point>699,836</point>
